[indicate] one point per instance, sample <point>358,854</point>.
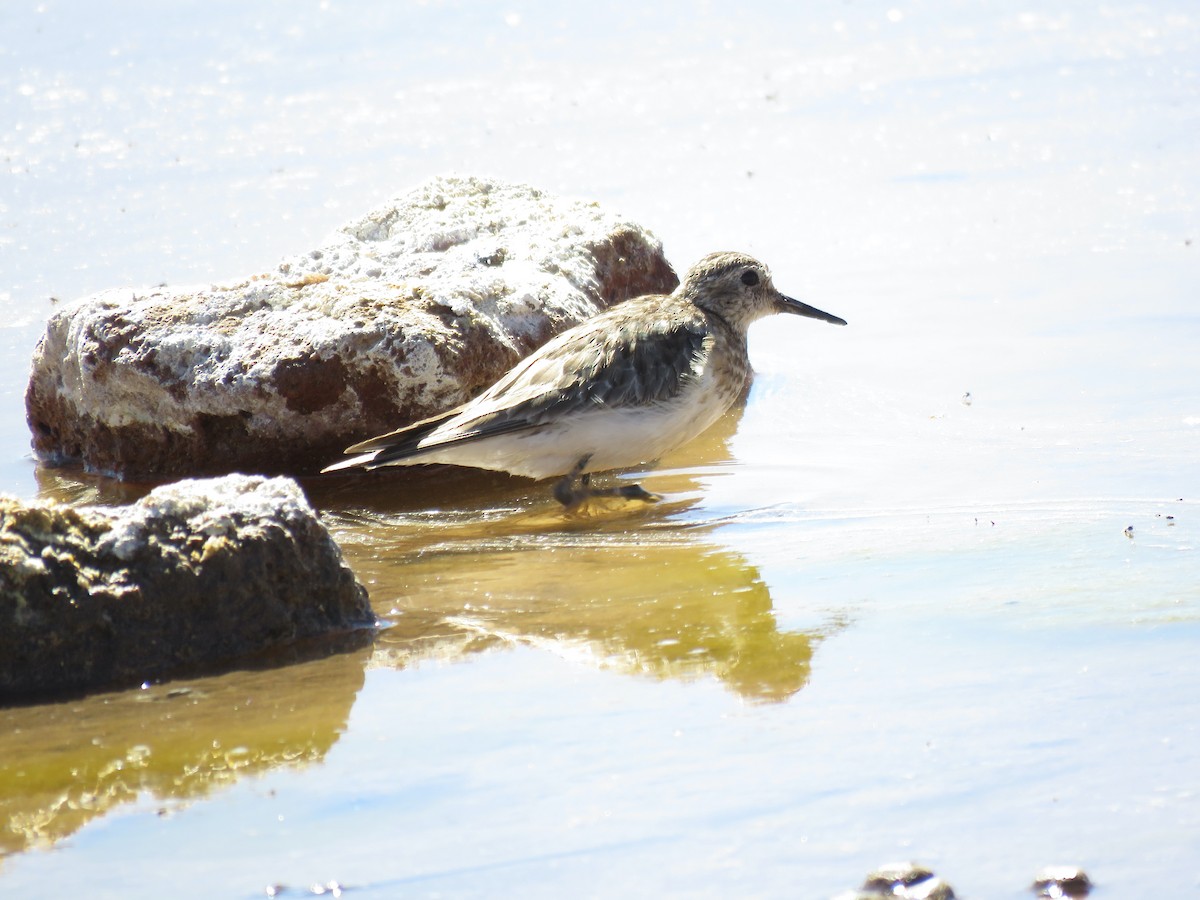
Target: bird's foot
<point>575,488</point>
<point>637,492</point>
<point>627,492</point>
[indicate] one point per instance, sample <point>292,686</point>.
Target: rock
<point>1062,882</point>
<point>904,879</point>
<point>195,575</point>
<point>412,309</point>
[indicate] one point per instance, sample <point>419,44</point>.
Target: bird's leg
<point>566,492</point>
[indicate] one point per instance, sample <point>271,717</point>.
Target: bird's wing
<point>621,358</point>
<point>406,437</point>
<point>626,364</point>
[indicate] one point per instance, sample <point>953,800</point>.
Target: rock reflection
<point>64,764</point>
<point>74,486</point>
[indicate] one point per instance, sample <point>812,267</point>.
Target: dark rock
<point>408,311</point>
<point>195,575</point>
<point>906,879</point>
<point>1062,882</point>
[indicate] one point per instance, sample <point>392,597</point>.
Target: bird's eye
<point>749,278</point>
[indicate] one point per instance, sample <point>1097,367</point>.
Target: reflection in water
<point>73,486</point>
<point>669,608</point>
<point>459,561</point>
<point>633,586</point>
<point>63,764</point>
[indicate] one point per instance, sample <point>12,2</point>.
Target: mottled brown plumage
<point>617,390</point>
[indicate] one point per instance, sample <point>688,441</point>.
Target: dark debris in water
<point>1069,882</point>
<point>914,881</point>
<point>908,880</point>
<point>328,889</point>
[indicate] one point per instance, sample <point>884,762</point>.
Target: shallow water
<point>871,620</point>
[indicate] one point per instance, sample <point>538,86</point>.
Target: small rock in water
<point>332,888</point>
<point>1062,882</point>
<point>907,880</point>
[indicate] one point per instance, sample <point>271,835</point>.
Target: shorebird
<point>617,390</point>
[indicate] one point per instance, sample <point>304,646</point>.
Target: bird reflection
<point>641,589</point>
<point>663,608</point>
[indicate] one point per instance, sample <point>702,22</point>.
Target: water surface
<point>890,609</point>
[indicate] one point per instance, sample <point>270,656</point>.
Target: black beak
<point>787,304</point>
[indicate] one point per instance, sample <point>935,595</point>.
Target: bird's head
<point>738,288</point>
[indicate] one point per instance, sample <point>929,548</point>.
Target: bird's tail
<point>362,461</point>
<point>390,448</point>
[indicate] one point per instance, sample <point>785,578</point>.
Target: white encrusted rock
<point>197,574</point>
<point>412,309</point>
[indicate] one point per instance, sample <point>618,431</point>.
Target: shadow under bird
<point>617,390</point>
